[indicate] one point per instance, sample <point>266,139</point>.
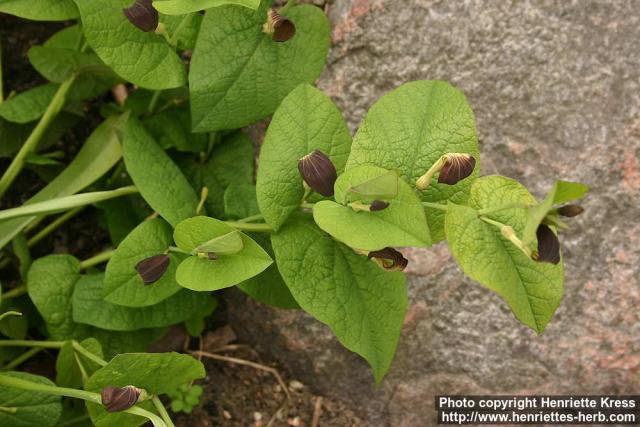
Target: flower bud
<point>457,167</point>
<point>378,205</point>
<point>548,245</point>
<point>151,269</point>
<point>116,399</point>
<point>570,210</point>
<point>389,259</point>
<point>143,15</point>
<point>318,172</point>
<point>280,27</point>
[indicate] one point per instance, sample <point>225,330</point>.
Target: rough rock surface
<point>555,87</point>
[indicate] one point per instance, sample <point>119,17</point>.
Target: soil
<point>234,395</point>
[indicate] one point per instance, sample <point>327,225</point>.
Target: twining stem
<point>251,218</point>
<point>22,358</point>
<point>487,211</point>
<point>162,411</point>
<point>1,90</point>
<point>67,202</point>
<point>53,226</point>
<point>8,409</point>
<point>307,205</point>
<point>265,228</point>
<point>154,102</point>
<point>9,313</point>
<point>9,381</point>
<point>55,106</point>
<point>204,193</point>
<point>96,259</point>
<point>438,206</point>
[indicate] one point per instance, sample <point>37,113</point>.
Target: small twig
<point>258,366</point>
<point>317,412</point>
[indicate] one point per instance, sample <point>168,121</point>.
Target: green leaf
<point>202,274</point>
<point>381,186</point>
<point>68,373</point>
<point>185,33</point>
<point>226,244</point>
<point>268,287</point>
<point>240,201</point>
<point>181,7</point>
<point>172,128</point>
<point>158,179</point>
<point>231,161</point>
<point>66,38</point>
<point>97,156</point>
<point>32,408</point>
<point>40,10</point>
<point>409,128</point>
<point>89,308</point>
<point>402,223</point>
<point>50,284</point>
<point>93,77</point>
<point>29,105</point>
<point>362,304</point>
<point>239,75</point>
<point>157,373</point>
<point>561,192</point>
<point>307,120</point>
<point>533,290</point>
<point>21,251</point>
<point>144,59</point>
<point>123,285</point>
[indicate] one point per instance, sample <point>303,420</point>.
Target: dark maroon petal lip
<point>570,210</point>
<point>390,258</point>
<point>283,28</point>
<point>116,399</point>
<point>456,168</point>
<point>378,205</point>
<point>318,172</point>
<point>548,245</point>
<point>143,15</point>
<point>153,268</point>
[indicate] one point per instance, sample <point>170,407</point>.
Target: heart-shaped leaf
<point>239,75</point>
<point>204,274</point>
<point>240,201</point>
<point>307,120</point>
<point>363,305</point>
<point>145,59</point>
<point>402,223</point>
<point>409,129</point>
<point>123,285</point>
<point>532,289</point>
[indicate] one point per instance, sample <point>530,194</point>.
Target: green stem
<point>30,343</point>
<point>34,138</point>
<point>8,409</point>
<point>15,292</point>
<point>162,411</point>
<point>10,313</point>
<point>53,226</point>
<point>265,228</point>
<point>204,193</point>
<point>438,206</point>
<point>286,7</point>
<point>1,90</point>
<point>61,204</point>
<point>177,250</point>
<point>487,211</point>
<point>97,259</point>
<point>173,40</point>
<point>154,102</point>
<point>9,381</point>
<point>22,358</point>
<point>86,353</point>
<point>307,205</point>
<point>251,218</point>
